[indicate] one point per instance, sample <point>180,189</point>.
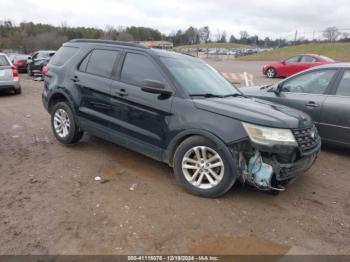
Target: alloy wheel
<point>271,73</point>
<point>203,167</point>
<point>61,123</point>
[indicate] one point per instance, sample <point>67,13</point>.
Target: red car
<point>294,65</point>
<point>20,61</point>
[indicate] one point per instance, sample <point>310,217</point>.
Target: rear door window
<point>84,63</point>
<point>137,68</point>
<point>4,61</point>
<point>344,85</point>
<point>101,62</point>
<point>308,59</point>
<point>63,55</point>
<point>294,59</point>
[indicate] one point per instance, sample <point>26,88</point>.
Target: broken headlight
<point>270,136</point>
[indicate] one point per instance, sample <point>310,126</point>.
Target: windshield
<point>22,57</point>
<point>198,78</point>
<point>4,61</point>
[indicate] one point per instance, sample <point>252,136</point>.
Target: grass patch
<point>336,51</point>
<point>214,45</point>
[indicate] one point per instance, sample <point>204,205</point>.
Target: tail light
<point>14,71</point>
<point>44,70</point>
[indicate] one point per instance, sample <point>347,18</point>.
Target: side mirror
<point>155,87</point>
<point>29,59</point>
<point>283,62</point>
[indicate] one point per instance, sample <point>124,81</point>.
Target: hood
<point>255,111</point>
<point>253,89</point>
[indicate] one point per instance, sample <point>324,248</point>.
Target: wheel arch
<point>59,96</point>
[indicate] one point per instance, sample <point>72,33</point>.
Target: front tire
<point>64,125</point>
<point>202,168</point>
<point>271,73</point>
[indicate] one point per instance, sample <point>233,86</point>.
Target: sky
<point>272,18</point>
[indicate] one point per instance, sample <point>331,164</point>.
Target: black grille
<point>307,138</point>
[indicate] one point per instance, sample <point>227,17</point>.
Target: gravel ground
<point>51,204</point>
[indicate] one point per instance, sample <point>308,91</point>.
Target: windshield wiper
<point>206,95</point>
<point>264,87</point>
<point>235,95</point>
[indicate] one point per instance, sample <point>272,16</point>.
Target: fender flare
<point>63,93</point>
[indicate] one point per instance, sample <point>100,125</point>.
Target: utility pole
<point>295,36</point>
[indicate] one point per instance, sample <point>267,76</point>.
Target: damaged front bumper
<point>287,171</point>
<point>269,169</point>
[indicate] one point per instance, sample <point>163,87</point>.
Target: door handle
<point>121,92</point>
<point>75,79</point>
<point>311,104</point>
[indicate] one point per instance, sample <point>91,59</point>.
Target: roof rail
<point>110,42</point>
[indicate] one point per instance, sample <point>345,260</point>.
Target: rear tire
<point>202,168</point>
<point>64,125</point>
<point>271,72</point>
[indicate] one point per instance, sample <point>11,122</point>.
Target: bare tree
<point>204,34</point>
<point>232,39</point>
<point>192,35</point>
<point>331,33</point>
<point>223,37</point>
<point>111,33</point>
<point>218,35</point>
<point>346,35</point>
<point>125,36</point>
<point>244,35</point>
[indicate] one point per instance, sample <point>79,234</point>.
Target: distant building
<point>157,44</point>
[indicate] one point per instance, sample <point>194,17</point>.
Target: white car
<point>9,76</point>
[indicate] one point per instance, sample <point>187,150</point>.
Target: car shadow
<point>6,93</point>
<point>164,174</point>
<point>331,148</point>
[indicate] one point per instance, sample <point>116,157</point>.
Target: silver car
<point>9,76</point>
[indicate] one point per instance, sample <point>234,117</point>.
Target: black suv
<point>176,109</point>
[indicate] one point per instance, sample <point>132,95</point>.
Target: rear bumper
<point>45,100</point>
<point>22,68</point>
<point>9,85</point>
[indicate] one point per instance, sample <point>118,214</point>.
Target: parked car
<point>149,101</point>
<point>38,60</point>
<point>322,92</point>
<point>9,77</point>
<point>20,62</point>
<point>294,64</point>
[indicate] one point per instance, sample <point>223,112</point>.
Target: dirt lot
<point>51,204</point>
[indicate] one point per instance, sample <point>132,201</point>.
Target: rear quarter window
<point>4,61</point>
<point>63,55</point>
